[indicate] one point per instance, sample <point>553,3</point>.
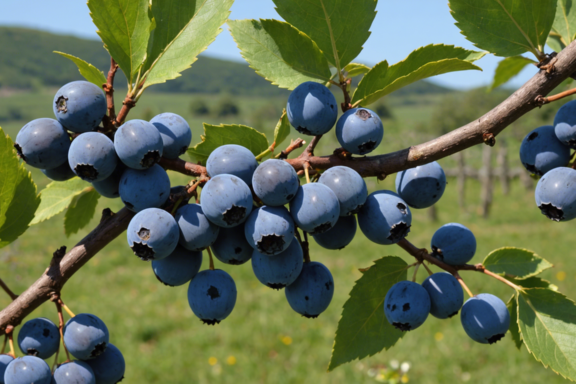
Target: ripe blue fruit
<point>92,156</point>
<point>280,270</point>
<point>43,143</point>
<point>454,244</point>
<point>359,131</point>
<point>231,246</point>
<point>315,208</point>
<point>234,160</point>
<point>175,132</point>
<point>110,186</point>
<point>74,372</point>
<point>152,234</point>
<point>196,231</point>
<point>312,109</point>
<point>422,186</point>
<point>60,173</point>
<point>406,305</point>
<point>86,336</point>
<point>340,235</point>
<point>109,367</point>
<point>269,230</point>
<point>26,370</point>
<point>349,187</point>
<point>39,337</point>
<point>226,200</point>
<point>149,188</point>
<point>541,151</point>
<point>212,295</point>
<point>565,124</point>
<point>4,361</point>
<point>385,218</point>
<point>138,144</point>
<point>556,194</point>
<point>275,182</point>
<point>311,293</point>
<point>79,106</point>
<point>485,318</point>
<point>178,268</point>
<point>446,295</point>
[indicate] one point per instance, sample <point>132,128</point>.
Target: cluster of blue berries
<point>86,338</point>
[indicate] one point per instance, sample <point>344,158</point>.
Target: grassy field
<point>263,341</point>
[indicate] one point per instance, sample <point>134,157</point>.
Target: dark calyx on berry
<point>276,286</point>
<point>98,349</point>
<point>399,231</point>
<point>303,131</point>
<point>437,253</point>
<point>270,244</point>
<point>402,326</point>
<point>86,172</point>
<point>61,104</point>
<point>19,152</point>
<point>495,338</point>
<point>322,228</point>
<point>150,158</point>
<point>552,212</point>
<point>366,147</point>
<point>234,215</point>
<point>143,251</point>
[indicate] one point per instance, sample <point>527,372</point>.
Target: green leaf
<point>514,328</point>
<point>279,52</point>
<point>90,72</point>
<point>57,196</point>
<point>18,196</point>
<point>282,129</point>
<point>363,329</point>
<point>547,322</point>
<point>533,282</point>
<point>339,27</point>
<point>355,69</point>
<point>565,21</point>
<point>218,135</point>
<point>124,27</point>
<point>517,262</point>
<point>184,28</point>
<point>81,210</point>
<point>505,27</point>
<point>424,62</point>
<point>508,68</point>
<point>555,43</point>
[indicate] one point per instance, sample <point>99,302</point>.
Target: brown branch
<point>541,100</point>
<point>184,167</point>
<point>293,146</point>
<point>109,89</point>
<point>127,105</point>
<point>347,104</point>
<point>12,295</point>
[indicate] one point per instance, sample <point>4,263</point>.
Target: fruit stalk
<point>58,303</point>
<point>12,295</point>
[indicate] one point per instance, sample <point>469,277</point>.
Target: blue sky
<point>399,28</point>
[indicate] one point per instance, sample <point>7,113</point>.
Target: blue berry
<point>138,144</point>
<point>4,361</point>
<point>234,160</point>
<point>338,236</point>
<point>92,156</point>
<point>43,143</point>
<point>60,173</point>
<point>226,200</point>
<point>86,336</point>
<point>359,131</point>
<point>406,305</point>
<point>175,132</point>
<point>275,182</point>
<point>565,124</point>
<point>280,270</point>
<point>446,295</point>
<point>315,208</point>
<point>454,244</point>
<point>349,187</point>
<point>178,268</point>
<point>110,186</point>
<point>231,246</point>
<point>311,293</point>
<point>385,218</point>
<point>109,367</point>
<point>79,106</point>
<point>556,194</point>
<point>422,186</point>
<point>149,188</point>
<point>26,370</point>
<point>74,372</point>
<point>485,318</point>
<point>196,231</point>
<point>269,229</point>
<point>541,151</point>
<point>39,337</point>
<point>212,295</point>
<point>152,234</point>
<point>312,109</point>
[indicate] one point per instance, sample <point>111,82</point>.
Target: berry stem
<point>306,172</point>
<point>541,100</point>
<point>416,272</point>
<point>61,327</point>
<point>428,269</point>
<point>12,295</point>
<point>463,284</point>
<point>304,244</point>
<point>55,364</point>
<point>4,344</point>
<point>211,258</point>
<point>70,313</point>
<point>293,146</point>
<point>502,279</point>
<point>10,334</point>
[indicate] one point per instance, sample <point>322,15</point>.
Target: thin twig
<point>12,295</point>
<point>541,100</point>
<point>415,271</point>
<point>211,258</point>
<point>313,143</point>
<point>428,269</point>
<point>306,166</point>
<point>108,88</point>
<point>463,284</point>
<point>293,146</point>
<point>10,333</point>
<point>61,327</point>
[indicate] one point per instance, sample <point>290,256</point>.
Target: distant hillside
<point>27,61</point>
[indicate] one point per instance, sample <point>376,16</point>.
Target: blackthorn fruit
<point>149,188</point>
<point>43,143</point>
<point>406,305</point>
<point>92,156</point>
<point>110,186</point>
<point>178,268</point>
<point>565,124</point>
<point>74,372</point>
<point>212,295</point>
<point>27,370</point>
<point>226,200</point>
<point>556,194</point>
<point>109,367</point>
<point>311,293</point>
<point>79,106</point>
<point>422,186</point>
<point>312,109</point>
<point>86,336</point>
<point>39,337</point>
<point>446,295</point>
<point>349,187</point>
<point>280,270</point>
<point>138,144</point>
<point>541,151</point>
<point>454,244</point>
<point>385,218</point>
<point>340,235</point>
<point>275,182</point>
<point>234,160</point>
<point>485,318</point>
<point>153,234</point>
<point>175,132</point>
<point>315,208</point>
<point>359,131</point>
<point>60,173</point>
<point>231,246</point>
<point>196,231</point>
<point>4,361</point>
<point>269,229</point>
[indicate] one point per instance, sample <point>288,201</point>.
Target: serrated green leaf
<point>363,329</point>
<point>547,322</point>
<point>90,72</point>
<point>339,27</point>
<point>218,135</point>
<point>124,27</point>
<point>279,52</point>
<point>533,282</point>
<point>184,28</point>
<point>517,262</point>
<point>505,27</point>
<point>282,129</point>
<point>514,328</point>
<point>57,196</point>
<point>555,43</point>
<point>80,211</point>
<point>18,196</point>
<point>355,69</point>
<point>508,68</point>
<point>424,62</point>
<point>565,21</point>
